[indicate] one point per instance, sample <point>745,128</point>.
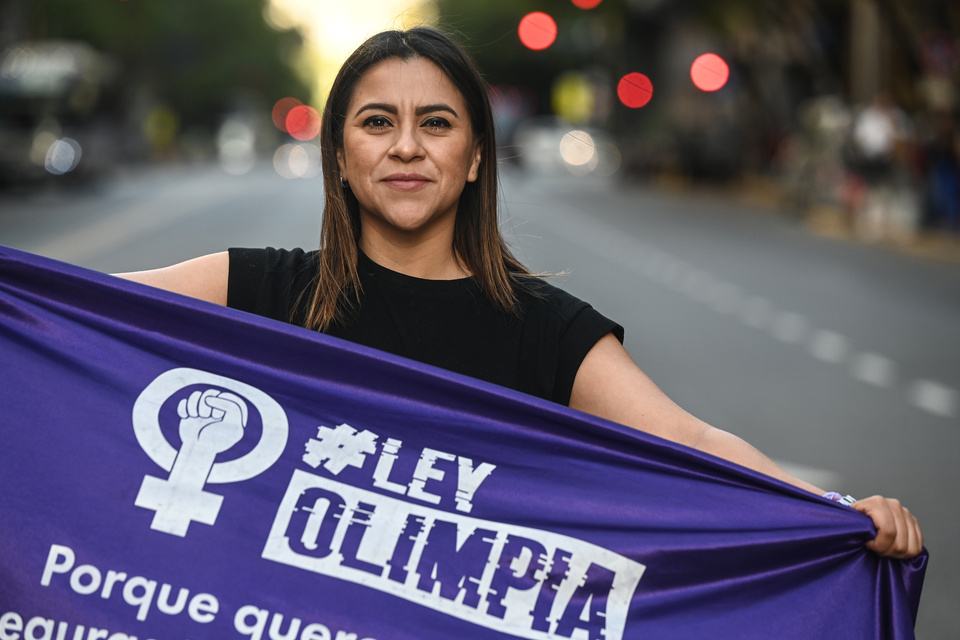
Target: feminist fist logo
<point>212,421</point>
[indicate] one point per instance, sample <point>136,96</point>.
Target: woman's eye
<point>377,122</point>
<point>437,123</point>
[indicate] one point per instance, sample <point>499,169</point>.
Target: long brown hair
<point>477,240</point>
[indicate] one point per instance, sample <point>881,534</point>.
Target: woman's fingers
<point>898,531</point>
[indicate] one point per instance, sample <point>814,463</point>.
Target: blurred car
<point>55,112</point>
<point>548,145</point>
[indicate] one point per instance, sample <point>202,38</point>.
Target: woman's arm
<point>610,385</point>
<point>204,278</point>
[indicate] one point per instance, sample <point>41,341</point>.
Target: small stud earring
<point>344,183</point>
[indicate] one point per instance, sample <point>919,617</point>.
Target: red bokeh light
<point>537,31</point>
<point>586,4</point>
<point>303,122</point>
<point>280,111</point>
<point>709,72</point>
<point>635,90</point>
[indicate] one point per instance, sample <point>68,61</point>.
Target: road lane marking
<point>935,398</point>
<point>757,312</point>
<point>874,369</point>
<point>725,298</point>
<point>141,218</point>
<point>829,346</point>
<point>789,327</point>
<point>822,478</point>
<point>664,268</point>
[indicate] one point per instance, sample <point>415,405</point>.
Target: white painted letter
<point>468,481</point>
<point>203,608</point>
<point>255,631</point>
<point>425,471</point>
<point>144,600</point>
<point>59,560</point>
<point>381,475</point>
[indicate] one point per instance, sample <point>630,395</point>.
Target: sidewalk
<point>931,245</point>
<point>834,223</point>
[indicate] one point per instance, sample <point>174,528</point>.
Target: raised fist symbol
<point>212,420</point>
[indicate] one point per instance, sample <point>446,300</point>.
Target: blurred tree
<point>198,57</point>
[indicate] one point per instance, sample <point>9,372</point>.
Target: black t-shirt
<point>446,323</point>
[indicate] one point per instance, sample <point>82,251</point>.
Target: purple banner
<point>174,470</point>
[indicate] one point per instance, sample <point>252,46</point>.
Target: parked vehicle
<point>55,112</point>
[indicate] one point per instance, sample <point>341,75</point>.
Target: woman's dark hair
<point>477,241</point>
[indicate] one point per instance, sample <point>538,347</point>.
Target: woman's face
<point>408,150</point>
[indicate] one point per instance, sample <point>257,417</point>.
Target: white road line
<point>725,298</point>
<point>699,285</point>
<point>756,312</point>
<point>874,369</point>
<point>935,398</point>
<point>789,327</point>
<point>826,480</point>
<point>128,222</point>
<point>829,346</point>
<point>673,272</point>
<point>654,264</point>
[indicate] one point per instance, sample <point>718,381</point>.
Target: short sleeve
<point>582,331</point>
<point>559,331</point>
<point>268,282</point>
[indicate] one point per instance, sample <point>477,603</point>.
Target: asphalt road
<point>839,360</point>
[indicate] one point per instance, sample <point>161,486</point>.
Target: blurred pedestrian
<point>412,261</point>
<point>943,173</point>
<point>879,133</point>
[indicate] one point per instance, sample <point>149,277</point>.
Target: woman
<point>412,261</point>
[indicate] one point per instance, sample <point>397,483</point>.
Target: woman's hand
<point>898,532</point>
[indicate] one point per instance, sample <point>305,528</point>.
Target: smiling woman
<point>412,261</point>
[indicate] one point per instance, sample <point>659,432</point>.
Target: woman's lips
<point>407,181</point>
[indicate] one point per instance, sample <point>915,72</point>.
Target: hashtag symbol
<point>340,448</point>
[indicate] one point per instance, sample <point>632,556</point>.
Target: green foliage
<point>196,55</point>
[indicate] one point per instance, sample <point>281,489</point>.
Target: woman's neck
<point>429,260</point>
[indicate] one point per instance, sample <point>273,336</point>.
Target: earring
<point>344,183</point>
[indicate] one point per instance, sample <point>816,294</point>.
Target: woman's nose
<point>406,144</point>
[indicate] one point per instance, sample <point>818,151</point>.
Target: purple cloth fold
<point>173,469</point>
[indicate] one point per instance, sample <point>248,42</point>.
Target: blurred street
<point>838,359</point>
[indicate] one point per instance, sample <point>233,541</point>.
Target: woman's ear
<point>474,171</point>
<point>342,165</point>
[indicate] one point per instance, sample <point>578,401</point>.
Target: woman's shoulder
<point>539,292</point>
<point>270,259</point>
<point>544,302</point>
<point>268,281</point>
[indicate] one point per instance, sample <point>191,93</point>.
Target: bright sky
<point>334,28</point>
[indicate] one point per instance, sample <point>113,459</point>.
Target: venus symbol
<point>211,422</point>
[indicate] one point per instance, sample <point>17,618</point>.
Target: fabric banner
<point>173,470</point>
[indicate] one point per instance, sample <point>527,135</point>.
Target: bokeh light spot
<point>63,156</point>
<point>297,161</point>
<point>578,149</point>
<point>281,110</point>
<point>573,97</point>
<point>586,4</point>
<point>709,72</point>
<point>303,122</point>
<point>635,90</point>
<point>537,30</point>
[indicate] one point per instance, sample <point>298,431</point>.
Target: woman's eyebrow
<point>430,108</point>
<point>377,106</point>
<point>392,109</point>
